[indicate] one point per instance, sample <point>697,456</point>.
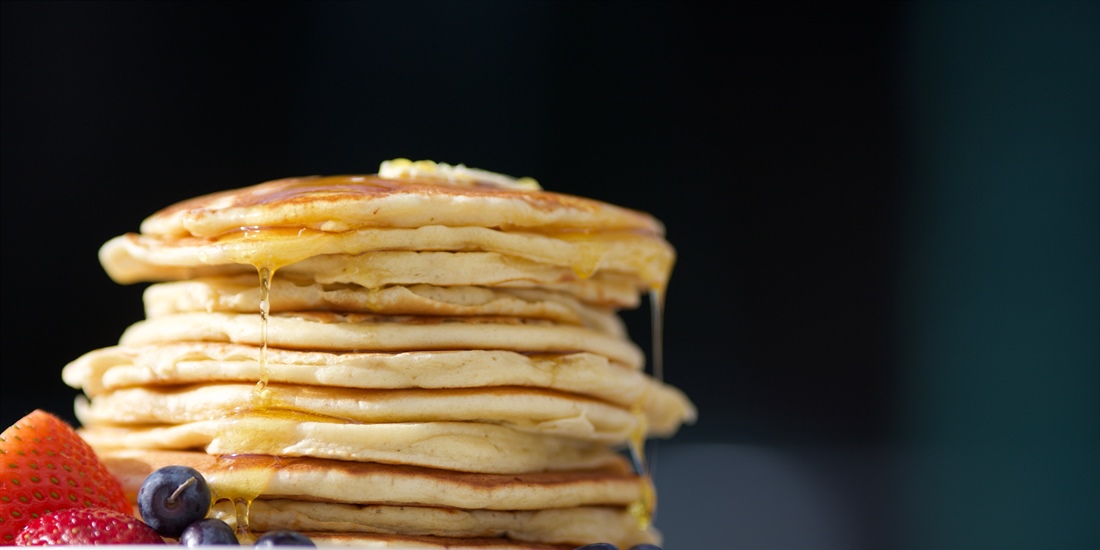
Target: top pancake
<point>444,209</point>
<point>343,203</point>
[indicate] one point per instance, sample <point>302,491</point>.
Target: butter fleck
<point>457,175</point>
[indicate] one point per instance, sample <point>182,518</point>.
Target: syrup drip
<point>259,392</point>
<point>656,317</point>
<point>234,511</point>
<point>261,401</point>
<point>646,506</point>
<point>241,507</point>
<point>233,498</point>
<point>643,508</point>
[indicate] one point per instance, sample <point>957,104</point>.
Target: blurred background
<point>887,300</point>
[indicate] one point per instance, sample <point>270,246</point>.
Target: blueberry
<point>283,538</point>
<point>172,498</point>
<point>645,546</point>
<point>599,546</point>
<point>209,532</point>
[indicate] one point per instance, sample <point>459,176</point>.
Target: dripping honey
<point>266,273</point>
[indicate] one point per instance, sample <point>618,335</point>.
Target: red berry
<point>44,467</point>
<point>86,526</point>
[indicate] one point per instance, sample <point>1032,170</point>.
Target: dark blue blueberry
<point>599,546</point>
<point>209,532</point>
<point>645,546</point>
<point>172,498</point>
<point>283,538</point>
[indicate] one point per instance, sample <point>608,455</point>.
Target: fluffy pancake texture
<point>321,480</point>
<point>358,500</point>
<point>382,269</point>
<point>369,332</point>
<point>555,525</point>
<point>191,363</point>
<point>429,357</point>
<point>241,294</point>
<point>341,203</point>
<point>456,446</point>
<point>644,257</point>
<point>522,409</point>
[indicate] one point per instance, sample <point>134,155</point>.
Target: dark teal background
<point>999,290</point>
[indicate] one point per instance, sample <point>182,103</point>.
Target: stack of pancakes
<point>428,357</point>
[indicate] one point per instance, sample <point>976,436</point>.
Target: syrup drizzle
<point>241,507</point>
<point>645,507</point>
<point>261,399</point>
<point>656,318</point>
<point>266,273</point>
<point>234,494</point>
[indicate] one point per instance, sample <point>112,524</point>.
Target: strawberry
<point>86,526</point>
<point>45,467</point>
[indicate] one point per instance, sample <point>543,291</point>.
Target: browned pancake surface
<point>313,201</point>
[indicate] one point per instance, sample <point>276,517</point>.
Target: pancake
<point>330,331</point>
<point>587,374</point>
<point>342,203</point>
<point>357,501</point>
<point>403,542</point>
<point>134,257</point>
<point>387,268</point>
<point>379,269</point>
<point>574,526</point>
<point>319,480</point>
<point>241,294</point>
<point>459,446</point>
<point>523,409</point>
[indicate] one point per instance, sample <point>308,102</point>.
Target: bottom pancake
<point>402,542</point>
<point>575,526</point>
<point>391,506</point>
